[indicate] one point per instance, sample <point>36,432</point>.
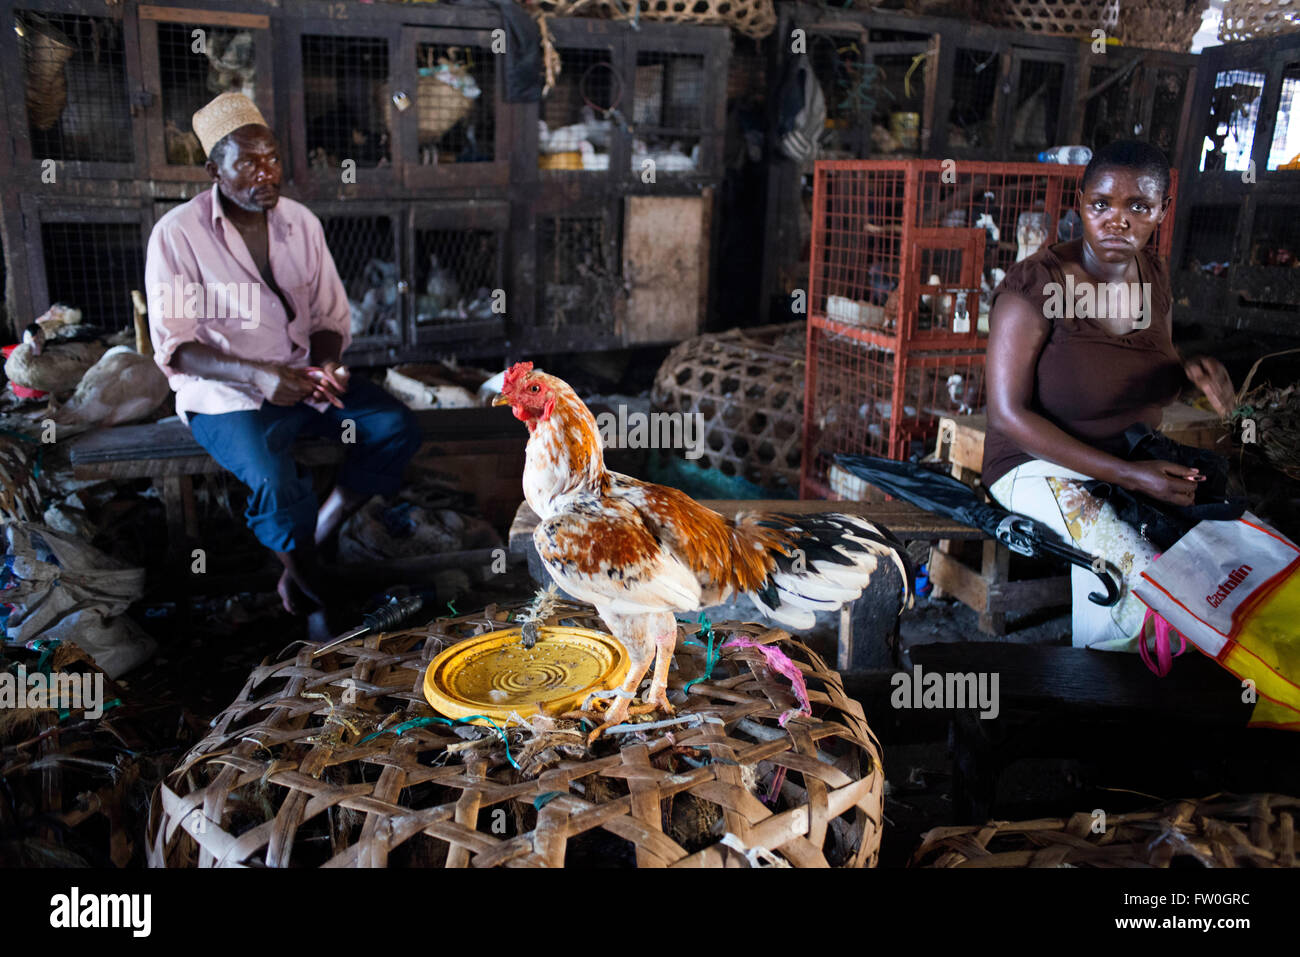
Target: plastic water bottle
<point>1068,155</point>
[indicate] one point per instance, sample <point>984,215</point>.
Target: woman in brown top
<point>1080,348</point>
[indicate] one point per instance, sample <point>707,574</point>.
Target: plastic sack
<point>54,586</point>
<point>1233,590</point>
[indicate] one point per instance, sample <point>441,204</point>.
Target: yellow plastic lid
<point>495,676</point>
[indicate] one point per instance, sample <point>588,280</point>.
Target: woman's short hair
<point>1129,155</point>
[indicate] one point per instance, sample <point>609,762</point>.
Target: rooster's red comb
<point>517,372</point>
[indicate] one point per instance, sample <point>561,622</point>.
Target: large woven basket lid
<point>495,676</point>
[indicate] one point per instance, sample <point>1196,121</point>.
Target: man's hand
<point>282,385</point>
<point>1209,375</point>
<point>1165,481</point>
<point>338,374</point>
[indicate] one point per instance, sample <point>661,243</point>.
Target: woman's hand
<point>1164,481</point>
<point>1209,375</point>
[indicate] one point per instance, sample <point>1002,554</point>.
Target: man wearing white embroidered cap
<point>249,321</point>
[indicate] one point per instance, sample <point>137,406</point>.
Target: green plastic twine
<point>711,656</point>
<point>405,726</point>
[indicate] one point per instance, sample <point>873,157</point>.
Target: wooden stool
<point>989,589</point>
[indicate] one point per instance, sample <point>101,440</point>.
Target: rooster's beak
<point>501,400</point>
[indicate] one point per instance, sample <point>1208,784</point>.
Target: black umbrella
<point>944,494</point>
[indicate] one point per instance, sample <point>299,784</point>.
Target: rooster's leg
<point>658,695</point>
<point>622,706</point>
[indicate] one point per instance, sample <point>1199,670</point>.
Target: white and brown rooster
<point>642,552</point>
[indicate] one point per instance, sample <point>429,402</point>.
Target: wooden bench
<point>166,453</point>
<point>866,625</point>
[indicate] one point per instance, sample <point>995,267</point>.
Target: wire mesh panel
<point>971,120</point>
<point>1211,242</point>
<point>578,272</point>
<point>457,277</point>
<point>1285,148</point>
<point>848,81</point>
<point>455,103</point>
<point>1110,113</point>
<point>94,266</point>
<point>579,114</point>
<point>74,68</point>
<point>1037,106</point>
<point>1234,112</point>
<point>905,258</point>
<point>197,62</point>
<point>365,253</point>
<point>667,112</point>
<point>345,89</point>
<point>1167,110</point>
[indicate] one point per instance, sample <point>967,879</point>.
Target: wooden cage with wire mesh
<point>337,761</point>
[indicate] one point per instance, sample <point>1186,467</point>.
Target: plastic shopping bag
<point>1233,589</point>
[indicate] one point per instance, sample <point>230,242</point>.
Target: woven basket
<point>749,388</point>
<point>1062,18</point>
<point>286,777</point>
<point>1249,19</point>
<point>440,107</point>
<point>45,50</point>
<point>1254,830</point>
<point>753,18</point>
<point>1161,24</point>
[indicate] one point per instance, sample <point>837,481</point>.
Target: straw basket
<point>1161,24</point>
<point>1067,18</point>
<point>753,18</point>
<point>1249,19</point>
<point>46,50</point>
<point>749,388</point>
<point>1223,830</point>
<point>294,773</point>
<point>441,106</point>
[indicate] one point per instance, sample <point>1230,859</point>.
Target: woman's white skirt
<point>1055,496</point>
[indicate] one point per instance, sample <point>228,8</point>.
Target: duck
<point>124,386</point>
<point>51,366</point>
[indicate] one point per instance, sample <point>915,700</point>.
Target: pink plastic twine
<point>779,661</point>
<point>1164,660</point>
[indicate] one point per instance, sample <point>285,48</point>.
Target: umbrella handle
<point>1110,576</point>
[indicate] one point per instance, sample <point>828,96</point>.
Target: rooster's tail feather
<point>831,560</point>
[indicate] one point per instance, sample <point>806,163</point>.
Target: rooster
<point>641,552</point>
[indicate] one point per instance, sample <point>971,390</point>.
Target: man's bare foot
<point>286,589</point>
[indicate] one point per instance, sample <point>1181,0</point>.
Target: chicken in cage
<point>578,115</point>
<point>458,279</point>
<point>195,62</point>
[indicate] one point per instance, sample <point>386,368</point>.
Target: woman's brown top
<point>1089,382</point>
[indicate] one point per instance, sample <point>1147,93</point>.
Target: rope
<point>400,729</point>
<point>711,656</point>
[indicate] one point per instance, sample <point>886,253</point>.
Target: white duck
<point>51,367</point>
<point>125,385</point>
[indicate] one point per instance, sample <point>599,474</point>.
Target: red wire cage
<point>905,256</point>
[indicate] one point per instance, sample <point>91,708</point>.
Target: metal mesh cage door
<point>364,245</point>
<point>92,262</point>
<point>187,62</point>
<point>460,294</point>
